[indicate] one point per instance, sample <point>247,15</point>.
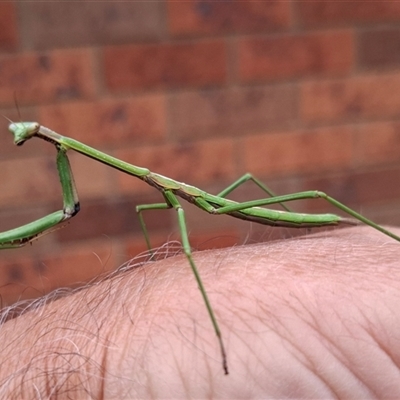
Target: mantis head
<point>23,131</point>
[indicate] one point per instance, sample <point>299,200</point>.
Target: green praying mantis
<point>172,191</point>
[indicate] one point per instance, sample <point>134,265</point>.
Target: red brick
<point>378,186</point>
<point>340,12</point>
<point>192,163</point>
<point>165,65</point>
<point>369,96</point>
<point>290,56</point>
<point>65,24</point>
<point>211,17</point>
<point>108,121</point>
<point>379,48</point>
<point>299,152</point>
<point>36,78</point>
<point>8,23</point>
<point>378,143</point>
<point>359,189</point>
<point>232,112</point>
<point>28,180</point>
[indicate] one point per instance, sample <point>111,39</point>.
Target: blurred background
<point>305,95</point>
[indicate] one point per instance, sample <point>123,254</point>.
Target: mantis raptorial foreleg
<point>24,234</point>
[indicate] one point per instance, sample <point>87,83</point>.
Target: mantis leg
<point>143,207</point>
<point>171,201</point>
<point>250,177</point>
<point>174,202</point>
<point>24,234</point>
<point>313,194</point>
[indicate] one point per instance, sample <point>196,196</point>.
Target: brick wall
<point>306,95</point>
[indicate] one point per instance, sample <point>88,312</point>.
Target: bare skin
<point>312,317</point>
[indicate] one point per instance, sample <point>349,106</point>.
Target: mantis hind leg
<point>312,194</point>
<point>250,177</point>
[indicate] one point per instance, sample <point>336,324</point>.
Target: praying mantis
<point>171,190</point>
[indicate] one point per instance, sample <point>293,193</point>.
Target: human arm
<point>315,316</point>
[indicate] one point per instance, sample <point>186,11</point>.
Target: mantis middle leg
<point>171,201</point>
